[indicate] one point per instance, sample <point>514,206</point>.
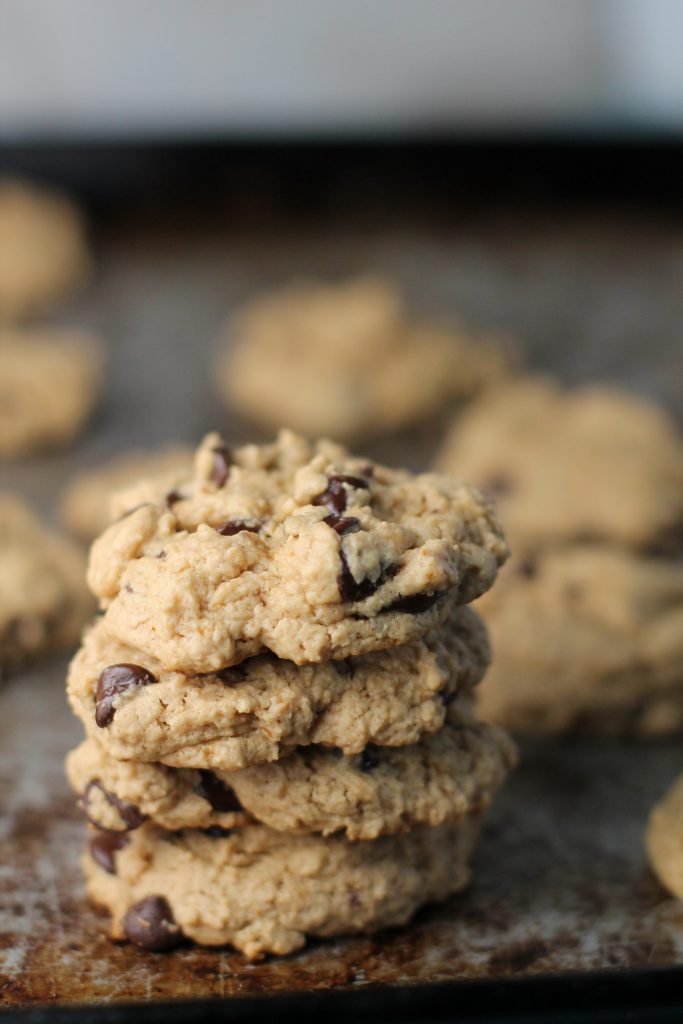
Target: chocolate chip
<point>131,816</point>
<point>528,567</point>
<point>342,524</point>
<point>172,497</point>
<point>351,589</point>
<point>232,526</point>
<point>335,497</point>
<point>221,465</point>
<point>150,924</point>
<point>498,486</point>
<point>220,796</point>
<point>413,604</point>
<point>114,680</point>
<point>103,847</point>
<point>369,759</point>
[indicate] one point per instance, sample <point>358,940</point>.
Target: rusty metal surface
<point>561,882</point>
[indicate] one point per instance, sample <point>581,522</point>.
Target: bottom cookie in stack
<point>664,839</point>
<point>258,859</point>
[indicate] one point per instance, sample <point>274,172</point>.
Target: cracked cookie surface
<point>264,891</point>
<point>293,547</point>
<point>345,360</point>
<point>261,708</point>
<point>381,791</point>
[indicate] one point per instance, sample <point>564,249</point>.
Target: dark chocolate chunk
<point>232,526</point>
<point>216,832</point>
<point>369,759</point>
<point>351,589</point>
<point>342,524</point>
<point>150,924</point>
<point>498,486</point>
<point>220,796</point>
<point>131,816</point>
<point>172,497</point>
<point>221,465</point>
<point>528,567</point>
<point>114,680</point>
<point>103,847</point>
<point>413,604</point>
<point>335,497</point>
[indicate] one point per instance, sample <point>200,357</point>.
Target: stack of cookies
<point>278,698</point>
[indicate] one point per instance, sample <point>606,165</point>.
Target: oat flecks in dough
<point>43,249</point>
<point>258,710</point>
<point>345,360</point>
<point>264,891</point>
<point>587,637</point>
<point>43,599</point>
<point>179,583</point>
<point>49,384</point>
<point>592,463</point>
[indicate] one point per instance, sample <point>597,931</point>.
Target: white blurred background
<point>227,68</point>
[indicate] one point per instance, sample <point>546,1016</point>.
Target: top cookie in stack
<point>298,548</point>
<point>278,698</point>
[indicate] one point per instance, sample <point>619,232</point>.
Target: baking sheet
<point>560,881</point>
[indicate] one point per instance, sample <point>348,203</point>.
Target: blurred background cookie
<point>348,360</point>
<point>43,598</point>
<point>44,254</point>
<point>589,463</point>
<point>85,502</point>
<point>586,636</point>
<point>49,383</point>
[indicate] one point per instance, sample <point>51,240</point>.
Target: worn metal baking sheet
<point>561,883</point>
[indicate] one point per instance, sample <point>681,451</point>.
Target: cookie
<point>258,710</point>
<point>346,361</point>
<point>264,891</point>
<point>591,463</point>
<point>119,796</point>
<point>664,839</point>
<point>586,637</point>
<point>296,548</point>
<point>49,383</point>
<point>84,508</point>
<point>381,791</point>
<point>43,249</point>
<point>43,598</point>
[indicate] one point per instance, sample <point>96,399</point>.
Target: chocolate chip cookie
<point>43,598</point>
<point>260,709</point>
<point>43,249</point>
<point>264,891</point>
<point>664,839</point>
<point>381,791</point>
<point>592,463</point>
<point>295,547</point>
<point>347,361</point>
<point>587,636</point>
<point>49,382</point>
<point>85,504</point>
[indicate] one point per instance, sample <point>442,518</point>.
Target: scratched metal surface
<point>561,882</point>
